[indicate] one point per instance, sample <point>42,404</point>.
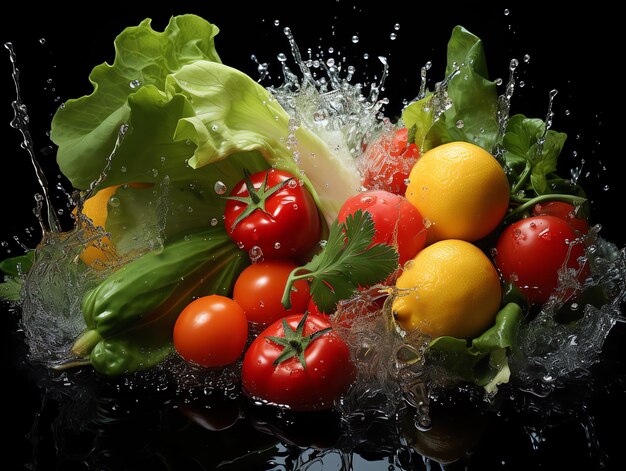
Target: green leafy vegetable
<point>234,113</point>
<point>485,361</point>
<point>14,268</point>
<point>348,260</point>
<point>470,113</point>
<point>186,111</point>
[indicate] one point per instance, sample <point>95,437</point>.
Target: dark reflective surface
<point>79,421</point>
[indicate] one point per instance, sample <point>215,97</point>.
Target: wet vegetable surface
<point>94,423</point>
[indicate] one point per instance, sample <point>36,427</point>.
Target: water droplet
<point>330,62</point>
<point>322,243</point>
<point>506,12</point>
<point>355,39</point>
<point>220,187</point>
<point>393,36</point>
<point>281,57</point>
<point>123,169</point>
<point>567,112</point>
<point>526,58</point>
<point>114,201</point>
<point>396,26</point>
<point>135,84</point>
<point>240,244</point>
<point>214,222</point>
<point>295,206</point>
<point>427,223</point>
<point>605,187</point>
<point>366,56</point>
<point>276,22</point>
<point>42,40</point>
<point>460,124</point>
<point>292,183</point>
<point>514,277</point>
<point>255,253</point>
<point>277,245</point>
<point>493,252</point>
<point>214,127</point>
<point>498,81</point>
<point>154,172</point>
<point>522,84</point>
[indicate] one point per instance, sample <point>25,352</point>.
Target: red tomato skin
<point>290,226</point>
<point>564,211</point>
<point>211,331</point>
<point>259,291</point>
<point>388,211</point>
<point>530,252</point>
<point>386,164</point>
<point>329,368</point>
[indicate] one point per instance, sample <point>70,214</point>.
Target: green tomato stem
<point>576,200</point>
<point>293,277</point>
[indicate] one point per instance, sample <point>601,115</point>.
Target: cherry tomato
<point>259,291</point>
<point>387,163</point>
<point>211,331</point>
<point>563,211</point>
<point>272,212</point>
<point>328,373</point>
<point>530,253</point>
<point>397,222</point>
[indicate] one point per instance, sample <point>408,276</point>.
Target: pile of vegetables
<point>259,228</point>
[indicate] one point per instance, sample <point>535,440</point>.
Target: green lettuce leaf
<point>530,168</point>
<point>85,129</point>
<point>14,269</point>
<point>234,113</point>
<point>482,361</point>
<point>470,113</point>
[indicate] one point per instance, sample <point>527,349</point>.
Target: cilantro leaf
<point>349,260</point>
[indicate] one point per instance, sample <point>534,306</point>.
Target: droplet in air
<point>255,253</point>
<point>42,40</point>
<point>277,245</point>
<point>460,124</point>
<point>355,39</point>
<point>506,12</point>
<point>214,222</point>
<point>526,58</point>
<point>220,188</point>
<point>135,84</point>
<point>366,56</point>
<point>393,36</point>
<point>276,22</point>
<point>396,26</point>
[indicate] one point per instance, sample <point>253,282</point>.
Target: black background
<point>576,52</point>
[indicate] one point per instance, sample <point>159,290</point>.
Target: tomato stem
<point>575,200</point>
<point>293,277</point>
<point>294,343</point>
<point>256,198</point>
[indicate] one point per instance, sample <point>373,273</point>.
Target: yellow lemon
<point>96,208</point>
<point>449,288</point>
<point>461,189</point>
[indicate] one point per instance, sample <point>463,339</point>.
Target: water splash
<point>21,122</point>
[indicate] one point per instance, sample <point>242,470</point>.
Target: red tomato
<point>387,163</point>
<point>564,211</point>
<point>328,373</point>
<point>278,216</point>
<point>531,251</point>
<point>211,331</point>
<point>397,222</point>
<point>259,291</point>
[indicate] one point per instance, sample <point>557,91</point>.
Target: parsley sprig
<point>348,260</point>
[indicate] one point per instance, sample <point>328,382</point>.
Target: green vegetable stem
<point>131,314</point>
